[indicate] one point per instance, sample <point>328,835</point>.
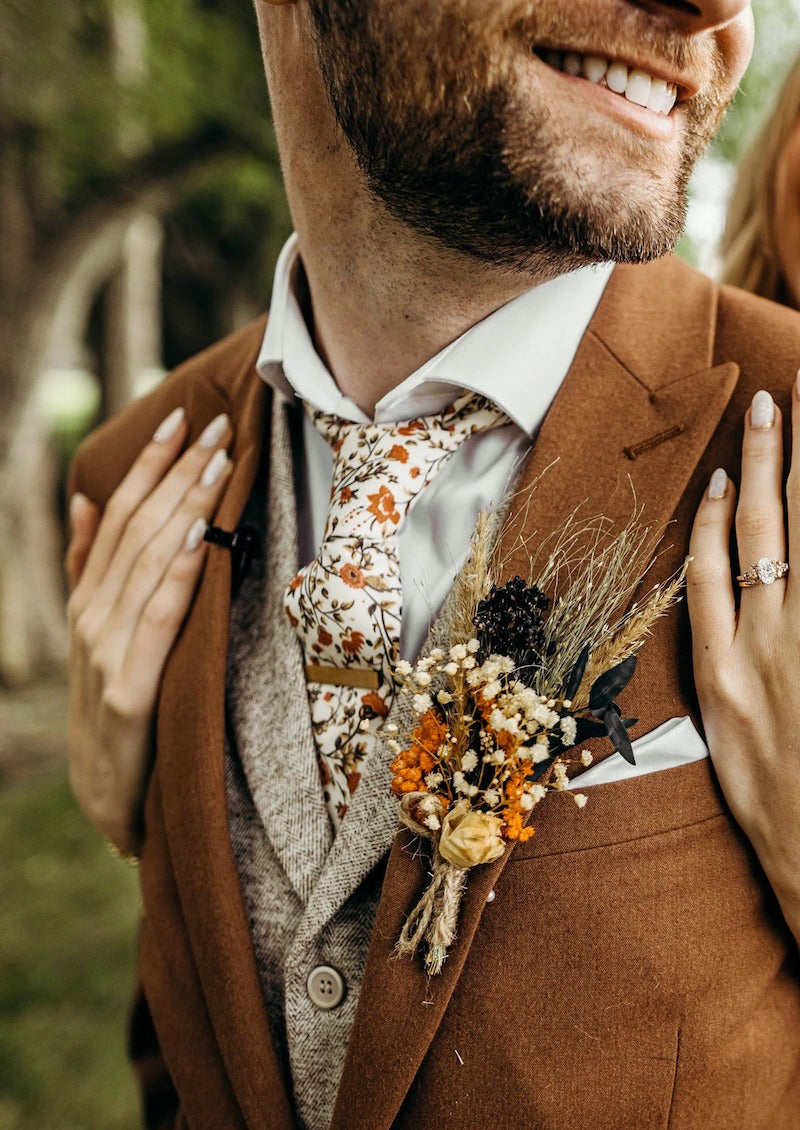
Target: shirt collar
<point>517,356</point>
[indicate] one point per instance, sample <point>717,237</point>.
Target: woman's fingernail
<point>167,428</point>
<point>195,535</point>
<point>76,502</point>
<point>718,486</point>
<point>214,469</point>
<point>214,432</point>
<point>762,410</point>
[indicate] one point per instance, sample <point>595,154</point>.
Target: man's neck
<point>383,300</point>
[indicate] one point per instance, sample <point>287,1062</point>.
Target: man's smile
<point>632,83</point>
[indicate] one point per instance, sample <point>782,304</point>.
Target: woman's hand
<point>132,574</point>
<point>747,660</point>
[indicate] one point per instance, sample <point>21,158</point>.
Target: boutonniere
<point>520,682</point>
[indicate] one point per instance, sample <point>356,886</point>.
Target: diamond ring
<point>764,572</point>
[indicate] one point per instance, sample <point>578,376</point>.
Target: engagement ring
<point>764,572</point>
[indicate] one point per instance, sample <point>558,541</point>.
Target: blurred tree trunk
<point>133,313</point>
<point>133,297</point>
<point>48,284</point>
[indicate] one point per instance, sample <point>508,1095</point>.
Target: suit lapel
<point>631,382</point>
<point>190,768</point>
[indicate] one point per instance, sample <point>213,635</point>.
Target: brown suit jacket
<point>633,970</point>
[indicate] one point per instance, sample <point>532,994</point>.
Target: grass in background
<point>67,943</point>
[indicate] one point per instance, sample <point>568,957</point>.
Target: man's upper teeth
<point>637,86</point>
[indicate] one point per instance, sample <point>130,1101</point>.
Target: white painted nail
<point>214,469</point>
<point>167,428</point>
<point>195,535</point>
<point>76,502</point>
<point>762,410</point>
<point>213,432</point>
<point>718,486</point>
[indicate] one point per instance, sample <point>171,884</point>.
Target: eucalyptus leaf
<point>618,734</point>
<point>607,686</point>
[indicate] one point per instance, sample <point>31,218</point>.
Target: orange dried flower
<point>411,765</point>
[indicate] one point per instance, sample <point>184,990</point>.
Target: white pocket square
<point>673,743</point>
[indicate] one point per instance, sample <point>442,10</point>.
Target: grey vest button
<point>325,987</point>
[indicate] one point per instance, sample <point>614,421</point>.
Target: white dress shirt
<point>518,358</point>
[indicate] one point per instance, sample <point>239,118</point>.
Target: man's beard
<point>428,97</point>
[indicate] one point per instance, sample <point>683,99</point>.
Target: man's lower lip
<point>643,121</point>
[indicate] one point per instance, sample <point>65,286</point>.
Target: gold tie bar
<point>343,676</point>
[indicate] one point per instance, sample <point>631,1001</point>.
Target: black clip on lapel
<point>244,544</point>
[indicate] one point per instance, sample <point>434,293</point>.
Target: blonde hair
<point>749,244</point>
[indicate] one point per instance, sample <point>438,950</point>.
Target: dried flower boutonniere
<point>520,683</point>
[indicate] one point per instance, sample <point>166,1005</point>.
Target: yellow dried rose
<point>470,837</point>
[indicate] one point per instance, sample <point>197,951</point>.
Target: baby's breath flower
<point>569,730</point>
<point>491,690</point>
<point>499,721</point>
<point>423,679</point>
<point>390,728</point>
<point>526,802</point>
<point>586,758</point>
<point>468,662</point>
<point>491,796</point>
<point>437,654</point>
<point>393,746</point>
<point>545,716</point>
<point>429,804</point>
<point>420,703</point>
<point>433,780</point>
<point>540,753</point>
<point>458,779</point>
<point>444,697</point>
<point>580,799</point>
<point>469,761</point>
<point>424,665</point>
<point>433,822</point>
<point>458,652</point>
<point>560,775</point>
<point>473,645</point>
<point>451,669</point>
<point>537,792</point>
<point>403,668</point>
<point>471,790</point>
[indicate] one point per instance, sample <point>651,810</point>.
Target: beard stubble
<point>429,97</point>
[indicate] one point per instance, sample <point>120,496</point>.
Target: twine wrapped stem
<point>433,921</point>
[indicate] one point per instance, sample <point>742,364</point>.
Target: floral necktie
<point>346,605</point>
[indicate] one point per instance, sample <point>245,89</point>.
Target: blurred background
<point>141,212</point>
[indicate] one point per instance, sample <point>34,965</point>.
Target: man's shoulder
<point>761,336</point>
<point>221,378</point>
